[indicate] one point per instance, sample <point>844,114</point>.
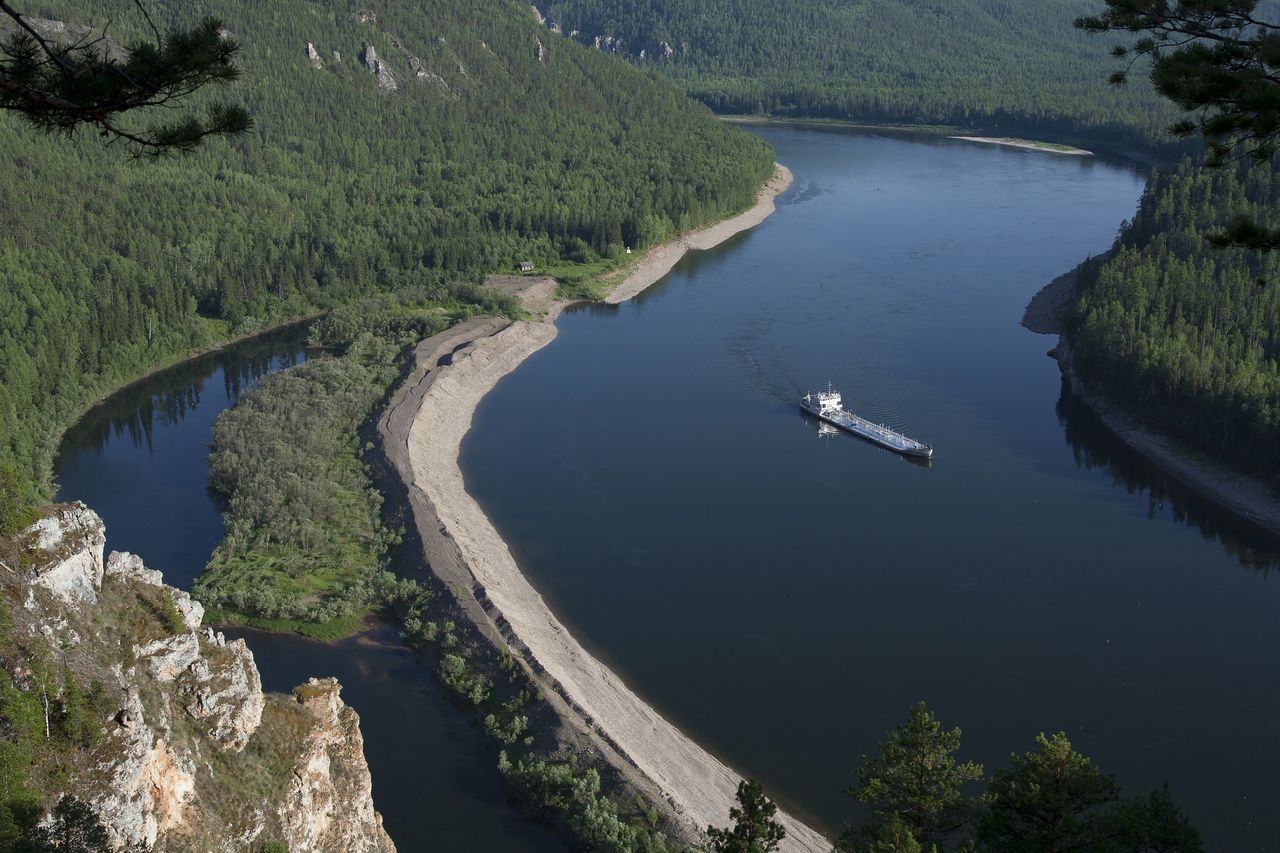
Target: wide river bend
<point>786,596</point>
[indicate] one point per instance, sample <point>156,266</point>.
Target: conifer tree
<point>60,84</point>
<point>1219,61</point>
<point>915,780</point>
<point>754,829</point>
<point>1048,801</point>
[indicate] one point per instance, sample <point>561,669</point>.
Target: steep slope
<point>394,144</point>
<point>1017,65</point>
<point>113,692</point>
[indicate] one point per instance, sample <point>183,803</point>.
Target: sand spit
<point>422,431</point>
<point>1247,497</point>
<point>1027,144</point>
<point>661,260</point>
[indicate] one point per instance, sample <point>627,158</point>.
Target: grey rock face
<point>328,810</point>
<point>182,699</point>
<point>386,80</point>
<point>66,553</point>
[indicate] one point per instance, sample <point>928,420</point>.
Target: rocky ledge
<point>193,756</point>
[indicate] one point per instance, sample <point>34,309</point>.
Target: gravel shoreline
<point>422,430</point>
<point>661,260</point>
<point>1027,145</point>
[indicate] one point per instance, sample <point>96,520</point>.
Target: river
<point>785,596</point>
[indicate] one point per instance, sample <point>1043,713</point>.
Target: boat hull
<point>899,445</point>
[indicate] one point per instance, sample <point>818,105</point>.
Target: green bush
<point>574,797</point>
<point>16,509</point>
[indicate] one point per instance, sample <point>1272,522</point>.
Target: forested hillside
<point>1182,331</point>
<point>1020,66</point>
<point>395,144</point>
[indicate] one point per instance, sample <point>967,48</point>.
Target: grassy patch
<point>137,613</point>
<point>325,631</point>
<point>585,281</point>
<point>237,784</point>
<point>216,330</point>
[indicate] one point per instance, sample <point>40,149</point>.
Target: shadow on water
<point>168,397</point>
<point>1095,447</point>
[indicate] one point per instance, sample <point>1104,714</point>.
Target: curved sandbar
<point>423,431</point>
<point>1027,144</point>
<point>661,260</point>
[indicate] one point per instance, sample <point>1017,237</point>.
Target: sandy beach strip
<point>650,269</point>
<point>1027,144</point>
<point>1247,497</point>
<point>423,429</point>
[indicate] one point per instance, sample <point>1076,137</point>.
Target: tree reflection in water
<point>1095,447</point>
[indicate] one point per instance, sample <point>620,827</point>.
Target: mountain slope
<point>963,62</point>
<point>410,144</point>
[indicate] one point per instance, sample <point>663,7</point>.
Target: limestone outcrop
<point>327,809</point>
<point>170,769</point>
<point>66,555</point>
<point>386,80</point>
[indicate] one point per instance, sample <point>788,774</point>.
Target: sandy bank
<point>659,261</point>
<point>1027,144</point>
<point>1245,496</point>
<point>423,429</point>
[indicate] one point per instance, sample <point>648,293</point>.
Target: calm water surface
<point>785,597</point>
<point>141,460</point>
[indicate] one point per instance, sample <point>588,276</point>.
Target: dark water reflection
<point>1096,448</point>
<point>435,779</point>
<point>141,460</point>
<point>137,410</point>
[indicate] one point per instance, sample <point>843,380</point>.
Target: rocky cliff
<point>186,752</point>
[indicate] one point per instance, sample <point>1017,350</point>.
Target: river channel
<point>785,596</point>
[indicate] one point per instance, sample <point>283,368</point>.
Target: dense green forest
<point>1181,330</point>
<point>498,143</point>
<point>306,537</point>
<point>1013,66</point>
